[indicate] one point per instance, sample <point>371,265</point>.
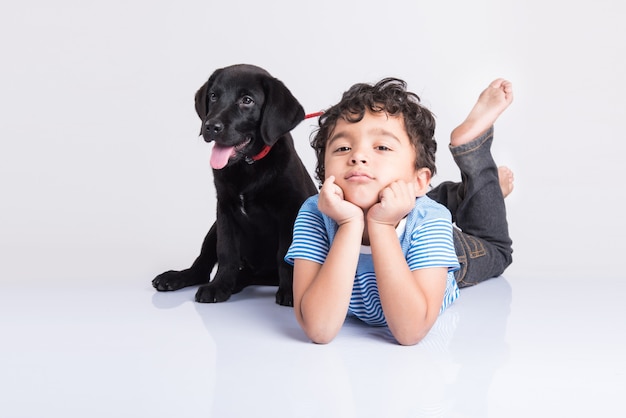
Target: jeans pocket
<point>467,248</point>
<point>474,246</point>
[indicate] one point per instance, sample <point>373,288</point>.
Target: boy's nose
<point>358,158</point>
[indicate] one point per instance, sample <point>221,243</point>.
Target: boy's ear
<point>422,181</point>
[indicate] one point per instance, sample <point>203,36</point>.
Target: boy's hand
<point>396,201</point>
<point>332,203</point>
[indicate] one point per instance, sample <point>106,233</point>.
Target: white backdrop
<point>103,175</point>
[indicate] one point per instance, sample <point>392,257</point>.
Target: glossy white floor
<point>504,349</point>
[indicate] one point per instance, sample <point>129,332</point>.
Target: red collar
<point>266,148</point>
<point>262,153</point>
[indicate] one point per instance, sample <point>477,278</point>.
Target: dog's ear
<point>201,99</point>
<point>281,111</point>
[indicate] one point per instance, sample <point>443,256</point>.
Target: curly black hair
<point>390,96</point>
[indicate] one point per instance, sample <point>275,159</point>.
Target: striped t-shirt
<point>425,237</point>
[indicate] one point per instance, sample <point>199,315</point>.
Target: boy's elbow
<point>321,336</point>
<point>414,330</point>
<point>319,330</point>
<point>409,336</point>
<point>321,340</point>
<point>409,339</point>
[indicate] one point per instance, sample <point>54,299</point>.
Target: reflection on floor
<point>506,348</point>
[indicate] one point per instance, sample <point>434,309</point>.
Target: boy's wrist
<point>354,222</point>
<point>377,228</point>
<point>376,222</point>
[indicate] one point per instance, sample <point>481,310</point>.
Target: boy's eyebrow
<point>384,132</point>
<point>373,132</point>
<point>335,136</point>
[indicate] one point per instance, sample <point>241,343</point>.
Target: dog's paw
<point>284,297</point>
<point>212,294</point>
<point>170,280</point>
<point>173,280</point>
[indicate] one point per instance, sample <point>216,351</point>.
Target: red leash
<point>313,115</point>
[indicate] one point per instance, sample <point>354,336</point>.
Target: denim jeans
<point>481,233</point>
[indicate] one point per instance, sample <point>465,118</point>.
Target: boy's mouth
<point>358,176</point>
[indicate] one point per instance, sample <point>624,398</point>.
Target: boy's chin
<point>364,202</point>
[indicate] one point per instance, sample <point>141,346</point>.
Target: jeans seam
<point>462,271</point>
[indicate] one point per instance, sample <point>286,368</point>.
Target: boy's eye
<point>383,148</point>
<point>342,149</point>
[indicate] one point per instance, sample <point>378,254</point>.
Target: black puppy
<point>260,183</point>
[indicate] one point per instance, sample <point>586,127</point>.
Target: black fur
<point>257,201</point>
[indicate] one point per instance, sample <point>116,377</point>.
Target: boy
<point>372,243</point>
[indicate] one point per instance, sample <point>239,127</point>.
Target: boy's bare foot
<point>491,103</point>
<point>505,175</point>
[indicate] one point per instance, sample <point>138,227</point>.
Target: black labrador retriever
<point>260,183</point>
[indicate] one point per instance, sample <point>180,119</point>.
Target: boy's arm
<point>322,291</point>
<point>411,300</point>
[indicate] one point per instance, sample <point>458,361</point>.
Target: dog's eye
<point>247,100</point>
<point>212,97</point>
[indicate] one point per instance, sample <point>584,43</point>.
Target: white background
<point>103,176</point>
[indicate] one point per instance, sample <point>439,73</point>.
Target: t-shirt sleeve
<point>432,245</point>
<point>310,240</point>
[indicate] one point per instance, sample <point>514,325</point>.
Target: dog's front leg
<point>284,295</point>
<point>228,263</point>
<point>198,273</point>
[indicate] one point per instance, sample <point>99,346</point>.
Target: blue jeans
<point>481,233</point>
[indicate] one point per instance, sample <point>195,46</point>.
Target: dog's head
<point>244,110</point>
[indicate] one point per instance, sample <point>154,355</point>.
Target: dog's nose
<point>213,127</point>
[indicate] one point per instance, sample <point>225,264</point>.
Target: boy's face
<point>367,156</point>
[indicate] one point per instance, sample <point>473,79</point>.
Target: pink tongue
<point>220,156</point>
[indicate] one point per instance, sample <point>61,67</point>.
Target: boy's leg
<point>482,240</point>
<point>450,193</point>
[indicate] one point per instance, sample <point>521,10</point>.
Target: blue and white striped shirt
<point>425,237</point>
